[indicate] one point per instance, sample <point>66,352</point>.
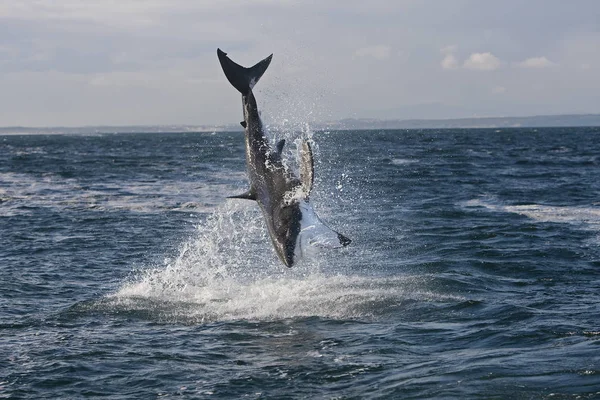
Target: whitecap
<point>402,161</point>
<point>583,217</point>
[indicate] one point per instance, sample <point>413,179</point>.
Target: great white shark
<point>283,198</point>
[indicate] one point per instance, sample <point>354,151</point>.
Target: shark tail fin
<point>242,78</point>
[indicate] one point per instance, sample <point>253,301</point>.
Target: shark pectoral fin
<point>344,241</point>
<point>280,145</point>
<point>307,170</point>
<point>243,124</point>
<point>246,196</point>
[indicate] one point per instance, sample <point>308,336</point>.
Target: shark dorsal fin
<point>249,195</point>
<point>307,172</point>
<point>279,146</point>
<point>243,124</point>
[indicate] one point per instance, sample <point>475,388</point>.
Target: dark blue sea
<point>474,270</point>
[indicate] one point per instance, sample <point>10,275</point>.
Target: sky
<point>148,62</point>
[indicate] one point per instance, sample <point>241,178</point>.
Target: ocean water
<point>474,270</point>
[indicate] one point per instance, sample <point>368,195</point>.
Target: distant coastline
<point>540,121</point>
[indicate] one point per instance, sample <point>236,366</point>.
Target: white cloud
<point>449,49</point>
<point>380,52</point>
<point>498,90</point>
<point>450,62</point>
<point>536,62</point>
<point>482,61</point>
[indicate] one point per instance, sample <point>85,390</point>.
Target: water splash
<point>230,272</point>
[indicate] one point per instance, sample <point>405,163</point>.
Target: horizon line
<point>318,123</point>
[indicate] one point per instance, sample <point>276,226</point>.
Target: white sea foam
<point>587,218</point>
<point>565,214</point>
<point>270,298</point>
<point>402,161</point>
<point>230,272</point>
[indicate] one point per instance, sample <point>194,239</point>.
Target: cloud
<point>482,61</point>
<point>450,62</point>
<point>449,49</point>
<point>153,61</point>
<point>536,62</point>
<point>380,52</point>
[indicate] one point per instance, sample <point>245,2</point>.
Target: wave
<point>23,192</point>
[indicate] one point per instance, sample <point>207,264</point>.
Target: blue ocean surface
<point>474,270</point>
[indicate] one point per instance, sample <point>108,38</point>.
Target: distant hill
<point>487,122</point>
<point>86,130</point>
<point>541,121</point>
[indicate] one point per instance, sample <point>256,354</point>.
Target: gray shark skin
<point>283,198</point>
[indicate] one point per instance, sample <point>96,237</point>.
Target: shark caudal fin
<point>242,78</point>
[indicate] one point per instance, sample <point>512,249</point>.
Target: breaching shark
<point>291,221</point>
